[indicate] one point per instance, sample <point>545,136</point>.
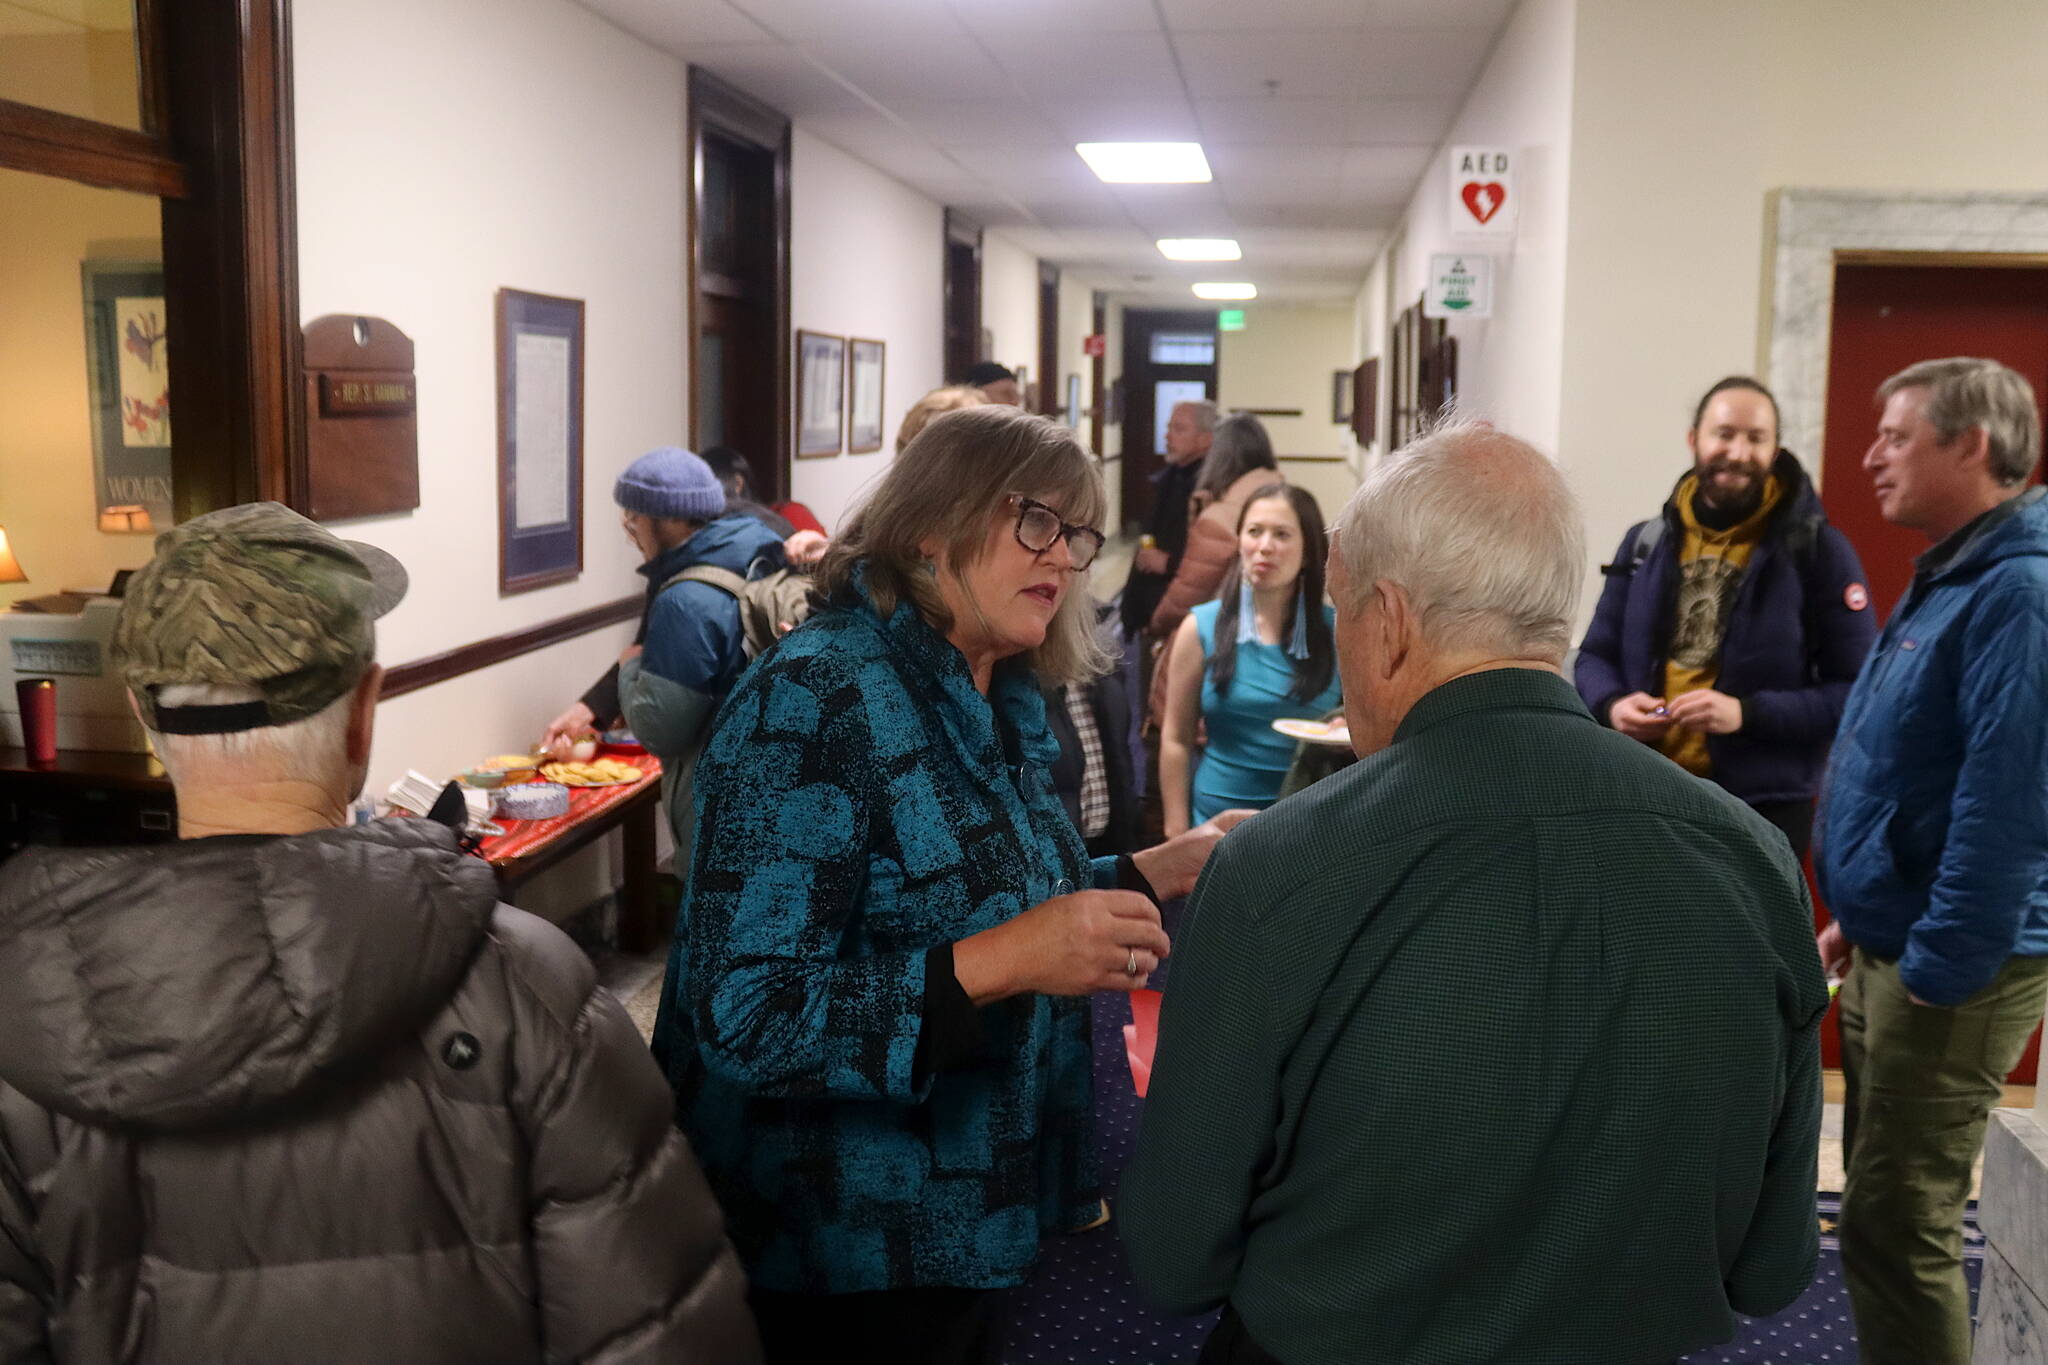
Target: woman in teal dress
<point>1263,651</point>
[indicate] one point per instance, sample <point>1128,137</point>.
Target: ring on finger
<point>1131,965</point>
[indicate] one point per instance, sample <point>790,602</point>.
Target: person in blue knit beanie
<point>691,648</point>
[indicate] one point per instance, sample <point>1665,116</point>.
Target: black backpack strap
<point>1638,545</point>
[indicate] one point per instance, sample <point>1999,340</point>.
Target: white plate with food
<point>1335,734</point>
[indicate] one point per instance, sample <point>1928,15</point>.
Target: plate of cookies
<point>597,772</point>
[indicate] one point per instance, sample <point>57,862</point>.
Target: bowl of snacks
<point>510,768</point>
<point>582,746</point>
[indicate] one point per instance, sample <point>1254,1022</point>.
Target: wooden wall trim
<point>453,663</point>
<point>45,142</point>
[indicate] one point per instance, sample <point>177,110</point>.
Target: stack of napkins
<point>417,793</point>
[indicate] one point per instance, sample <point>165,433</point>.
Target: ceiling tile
<point>1316,216</point>
<point>1136,66</point>
<point>1480,14</point>
<point>1048,165</point>
<point>933,66</point>
<point>997,20</point>
<point>1387,163</point>
<point>778,76</point>
<point>1303,64</point>
<point>1196,15</point>
<point>678,25</point>
<point>1269,122</point>
<point>1230,161</point>
<point>1239,191</point>
<point>1421,120</point>
<point>1113,118</point>
<point>875,23</point>
<point>982,122</point>
<point>886,146</point>
<point>1395,63</point>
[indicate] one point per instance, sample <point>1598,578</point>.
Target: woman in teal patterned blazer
<point>875,1017</point>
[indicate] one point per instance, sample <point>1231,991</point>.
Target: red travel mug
<point>38,698</point>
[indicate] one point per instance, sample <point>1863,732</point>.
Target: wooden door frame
<point>1139,326</point>
<point>1051,384</point>
<point>958,230</point>
<point>716,106</point>
<point>216,147</point>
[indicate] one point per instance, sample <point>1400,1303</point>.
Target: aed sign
<point>1460,286</point>
<point>1482,191</point>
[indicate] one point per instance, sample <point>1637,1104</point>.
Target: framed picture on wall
<point>820,393</point>
<point>128,364</point>
<point>540,440</point>
<point>865,371</point>
<point>1340,397</point>
<point>1365,401</point>
<point>1072,414</point>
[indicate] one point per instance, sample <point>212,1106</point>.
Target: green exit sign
<point>1230,319</point>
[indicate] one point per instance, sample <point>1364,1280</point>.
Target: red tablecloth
<point>522,838</point>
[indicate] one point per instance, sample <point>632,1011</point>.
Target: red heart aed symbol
<point>1484,200</point>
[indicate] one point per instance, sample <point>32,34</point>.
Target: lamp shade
<point>10,567</point>
<point>132,517</point>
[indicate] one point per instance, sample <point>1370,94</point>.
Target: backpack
<point>770,606</point>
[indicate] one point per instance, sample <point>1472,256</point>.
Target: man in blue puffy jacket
<point>1933,845</point>
<point>1734,621</point>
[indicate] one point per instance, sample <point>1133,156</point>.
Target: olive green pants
<point>1921,1082</point>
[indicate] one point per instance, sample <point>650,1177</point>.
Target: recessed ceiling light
<point>1226,291</point>
<point>1146,163</point>
<point>1200,249</point>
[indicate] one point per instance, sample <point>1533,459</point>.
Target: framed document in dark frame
<point>540,440</point>
<point>820,396</point>
<point>865,362</point>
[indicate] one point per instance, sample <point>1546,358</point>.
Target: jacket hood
<point>184,985</point>
<point>1799,502</point>
<point>2020,532</point>
<point>732,542</point>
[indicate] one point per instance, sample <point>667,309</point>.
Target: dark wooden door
<point>1169,357</point>
<point>739,280</point>
<point>1886,317</point>
<point>962,295</point>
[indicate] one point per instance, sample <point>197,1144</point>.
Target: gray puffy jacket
<point>323,1099</point>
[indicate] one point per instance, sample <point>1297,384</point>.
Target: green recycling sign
<point>1460,286</point>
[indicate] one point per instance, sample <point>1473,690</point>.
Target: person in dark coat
<point>287,1090</point>
<point>1092,722</point>
<point>1732,624</point>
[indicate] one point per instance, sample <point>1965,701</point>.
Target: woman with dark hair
<point>1240,459</point>
<point>875,1018</point>
<point>1263,651</point>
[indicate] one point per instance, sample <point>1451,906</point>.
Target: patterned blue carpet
<point>1081,1308</point>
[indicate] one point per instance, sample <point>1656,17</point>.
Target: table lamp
<point>10,567</point>
<point>130,518</point>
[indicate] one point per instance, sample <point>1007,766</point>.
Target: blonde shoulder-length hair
<point>954,483</point>
<point>949,399</point>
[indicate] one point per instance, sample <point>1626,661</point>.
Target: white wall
<point>1674,156</point>
<point>1508,365</point>
<point>412,213</point>
<point>1286,357</point>
<point>1009,302</point>
<point>867,260</point>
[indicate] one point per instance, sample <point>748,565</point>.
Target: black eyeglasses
<point>1038,526</point>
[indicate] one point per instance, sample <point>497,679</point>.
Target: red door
<point>1887,317</point>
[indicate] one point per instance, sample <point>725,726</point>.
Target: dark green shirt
<point>1499,1046</point>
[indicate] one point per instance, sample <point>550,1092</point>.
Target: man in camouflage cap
<point>363,1110</point>
<point>254,597</point>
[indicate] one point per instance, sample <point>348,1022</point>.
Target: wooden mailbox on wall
<point>362,424</point>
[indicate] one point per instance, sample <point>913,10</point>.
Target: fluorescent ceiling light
<point>1226,291</point>
<point>1200,249</point>
<point>1146,163</point>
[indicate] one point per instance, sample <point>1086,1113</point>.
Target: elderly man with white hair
<point>1500,1046</point>
<point>291,1089</point>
